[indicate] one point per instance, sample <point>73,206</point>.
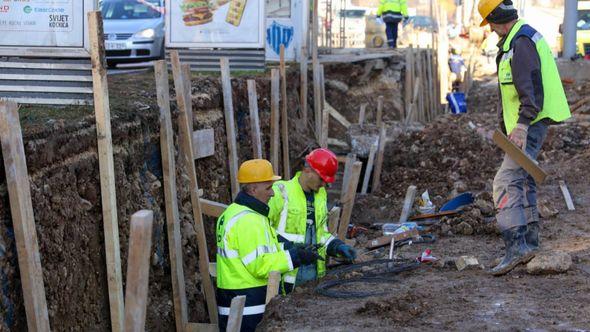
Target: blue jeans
<point>391,32</point>
<point>515,191</point>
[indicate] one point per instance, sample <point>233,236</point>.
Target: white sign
<point>215,23</point>
<point>44,24</point>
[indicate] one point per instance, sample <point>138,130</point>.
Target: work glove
<point>519,134</point>
<point>346,252</point>
<point>303,256</point>
<point>379,20</point>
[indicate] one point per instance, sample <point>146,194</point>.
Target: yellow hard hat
<point>256,170</point>
<point>485,7</point>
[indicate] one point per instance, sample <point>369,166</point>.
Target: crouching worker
<point>247,246</point>
<point>299,213</point>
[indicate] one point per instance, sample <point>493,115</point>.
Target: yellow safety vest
<point>397,6</point>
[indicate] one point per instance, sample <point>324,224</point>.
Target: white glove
<point>379,20</point>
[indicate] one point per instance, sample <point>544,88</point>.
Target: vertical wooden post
<point>23,220</point>
<point>362,114</point>
<point>284,116</point>
<point>230,126</point>
<point>254,119</point>
<point>186,76</point>
<point>274,119</point>
<point>236,311</point>
<point>107,170</point>
<point>409,84</point>
<point>325,110</point>
<point>348,201</point>
<point>408,203</point>
<point>369,168</point>
<point>380,156</point>
<point>186,145</point>
<point>172,214</point>
<point>379,116</point>
<point>138,270</point>
<point>333,218</point>
<point>303,85</point>
<point>317,106</point>
<point>350,160</point>
<point>272,288</point>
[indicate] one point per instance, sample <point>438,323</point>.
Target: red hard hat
<point>324,162</point>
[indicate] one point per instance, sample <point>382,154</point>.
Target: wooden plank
<point>348,201</point>
<point>51,101</point>
<point>272,288</point>
<point>213,269</point>
<point>284,117</point>
<point>362,113</point>
<point>303,84</point>
<point>333,218</point>
<point>519,156</point>
<point>212,208</point>
<point>274,119</point>
<point>170,196</point>
<point>236,310</point>
<point>107,170</point>
<point>408,80</point>
<point>413,106</point>
<point>317,100</point>
<point>408,204</point>
<point>338,143</point>
<point>336,115</point>
<point>201,327</point>
<point>350,160</point>
<point>379,116</point>
<point>566,195</point>
<point>325,112</point>
<point>380,158</point>
<point>254,120</point>
<point>187,156</point>
<point>23,220</point>
<point>230,126</point>
<point>386,240</point>
<point>138,270</point>
<point>203,143</point>
<point>369,168</point>
<point>186,77</point>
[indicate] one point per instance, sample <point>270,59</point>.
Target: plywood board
<point>230,126</point>
<point>519,156</point>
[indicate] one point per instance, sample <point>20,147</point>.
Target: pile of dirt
<point>401,309</point>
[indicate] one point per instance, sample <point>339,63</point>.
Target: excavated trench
<point>61,150</point>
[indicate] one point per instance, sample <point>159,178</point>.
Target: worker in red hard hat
<point>299,213</point>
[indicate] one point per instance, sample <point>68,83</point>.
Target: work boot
<point>517,251</point>
<point>532,235</point>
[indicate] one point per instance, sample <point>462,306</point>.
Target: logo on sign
<point>4,9</point>
<point>277,34</point>
<point>27,9</point>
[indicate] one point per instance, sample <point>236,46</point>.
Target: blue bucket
<point>457,102</point>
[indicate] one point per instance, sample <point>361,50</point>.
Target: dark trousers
<point>391,31</point>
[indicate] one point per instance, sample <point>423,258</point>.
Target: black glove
<point>303,256</point>
<point>346,252</point>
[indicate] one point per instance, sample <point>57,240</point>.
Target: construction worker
<point>532,98</point>
<point>391,12</point>
<point>247,247</point>
<point>457,68</point>
<point>299,213</point>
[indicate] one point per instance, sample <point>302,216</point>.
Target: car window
<point>131,9</point>
<point>352,13</point>
<point>583,19</point>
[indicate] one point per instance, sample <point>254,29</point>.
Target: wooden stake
<point>317,100</point>
<point>186,76</point>
<point>325,111</point>
<point>409,80</point>
<point>362,114</point>
<point>284,117</point>
<point>187,156</point>
<point>519,156</point>
<point>107,170</point>
<point>567,196</point>
<point>333,218</point>
<point>254,119</point>
<point>274,119</point>
<point>408,204</point>
<point>350,160</point>
<point>379,116</point>
<point>236,311</point>
<point>303,85</point>
<point>23,219</point>
<point>380,157</point>
<point>348,200</point>
<point>272,289</point>
<point>172,214</point>
<point>369,168</point>
<point>138,270</point>
<point>336,115</point>
<point>230,126</point>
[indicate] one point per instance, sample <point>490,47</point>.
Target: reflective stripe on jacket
<point>394,6</point>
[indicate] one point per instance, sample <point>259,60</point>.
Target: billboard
<point>44,27</point>
<point>215,23</point>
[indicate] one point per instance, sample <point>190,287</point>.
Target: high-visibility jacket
<point>555,106</point>
<point>247,251</point>
<point>395,6</point>
<point>288,215</point>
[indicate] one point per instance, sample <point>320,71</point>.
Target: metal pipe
<point>570,28</point>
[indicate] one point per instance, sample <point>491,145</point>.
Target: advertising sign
<point>44,24</point>
<point>215,23</point>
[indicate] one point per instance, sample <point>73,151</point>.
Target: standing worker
<point>532,98</point>
<point>247,247</point>
<point>299,213</point>
<point>392,12</point>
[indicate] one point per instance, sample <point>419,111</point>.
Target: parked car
<point>133,30</point>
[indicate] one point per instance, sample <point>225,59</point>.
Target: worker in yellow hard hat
<point>532,98</point>
<point>247,246</point>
